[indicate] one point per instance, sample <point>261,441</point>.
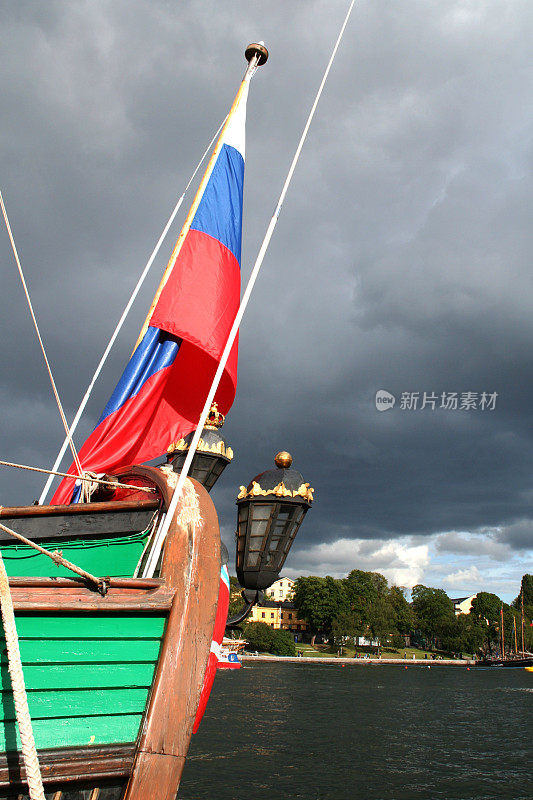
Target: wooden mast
<point>522,614</point>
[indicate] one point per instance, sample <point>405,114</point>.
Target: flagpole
<point>257,57</point>
<point>160,536</point>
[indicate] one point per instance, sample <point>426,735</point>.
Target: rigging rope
<point>52,381</point>
<point>57,558</point>
<point>162,532</point>
<point>92,478</point>
<point>122,319</point>
<point>29,751</point>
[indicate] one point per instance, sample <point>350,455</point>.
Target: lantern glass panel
<point>252,560</point>
<point>262,511</point>
<point>259,527</point>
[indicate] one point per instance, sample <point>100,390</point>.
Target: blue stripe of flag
<point>156,351</point>
<point>220,211</point>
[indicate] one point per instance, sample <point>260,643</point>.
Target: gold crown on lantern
<point>215,419</point>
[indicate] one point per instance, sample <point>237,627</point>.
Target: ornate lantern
<point>270,511</point>
<point>212,454</point>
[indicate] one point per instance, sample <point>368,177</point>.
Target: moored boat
<point>515,663</point>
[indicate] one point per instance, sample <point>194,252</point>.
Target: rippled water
<point>379,733</point>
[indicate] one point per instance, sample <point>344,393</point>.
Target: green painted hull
<point>116,556</point>
<point>113,679</point>
<point>87,678</point>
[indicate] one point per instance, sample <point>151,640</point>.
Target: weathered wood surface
<point>131,518</point>
<point>147,504</point>
<point>191,565</point>
<point>50,594</point>
<point>69,764</point>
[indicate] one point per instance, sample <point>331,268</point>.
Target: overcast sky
<point>401,261</point>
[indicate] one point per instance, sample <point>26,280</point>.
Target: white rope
<point>91,477</point>
<point>29,751</point>
<point>162,532</point>
<point>122,319</point>
<point>56,395</point>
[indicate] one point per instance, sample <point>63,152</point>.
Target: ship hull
<point>113,681</point>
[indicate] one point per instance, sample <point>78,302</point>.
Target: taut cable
<point>162,532</point>
<point>52,381</point>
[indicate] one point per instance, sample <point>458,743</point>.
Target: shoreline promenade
<point>362,662</point>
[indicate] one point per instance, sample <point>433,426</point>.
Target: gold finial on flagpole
<point>256,49</point>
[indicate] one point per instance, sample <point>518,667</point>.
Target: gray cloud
<point>476,544</point>
<point>401,260</point>
<point>519,535</point>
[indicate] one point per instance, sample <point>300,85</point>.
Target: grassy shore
<point>410,653</point>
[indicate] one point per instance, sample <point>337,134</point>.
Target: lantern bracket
<point>251,597</point>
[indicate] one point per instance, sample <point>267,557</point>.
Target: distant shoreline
<point>363,662</point>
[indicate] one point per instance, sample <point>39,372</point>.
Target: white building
<point>462,605</point>
<point>281,590</point>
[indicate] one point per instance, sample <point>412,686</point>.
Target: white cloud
<point>399,560</point>
<point>464,578</point>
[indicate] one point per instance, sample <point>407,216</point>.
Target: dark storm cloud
<point>401,260</point>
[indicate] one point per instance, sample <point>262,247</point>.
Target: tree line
<point>363,604</point>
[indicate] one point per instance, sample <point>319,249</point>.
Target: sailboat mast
<point>515,641</point>
<point>522,620</point>
<point>502,632</point>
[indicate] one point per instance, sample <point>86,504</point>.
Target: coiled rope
<point>29,751</point>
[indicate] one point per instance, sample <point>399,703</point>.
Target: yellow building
<point>278,615</point>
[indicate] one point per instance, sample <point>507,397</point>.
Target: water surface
<point>274,730</point>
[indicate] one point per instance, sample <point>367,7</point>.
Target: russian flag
<point>161,393</point>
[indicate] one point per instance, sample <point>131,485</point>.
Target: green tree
<point>463,634</point>
<point>343,627</point>
<point>486,609</point>
<point>404,617</point>
<point>363,590</point>
<point>526,591</point>
<point>263,638</point>
<point>433,611</point>
<point>318,601</point>
<point>236,601</point>
<point>381,620</point>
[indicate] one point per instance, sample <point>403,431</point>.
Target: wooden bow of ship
<point>113,680</point>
